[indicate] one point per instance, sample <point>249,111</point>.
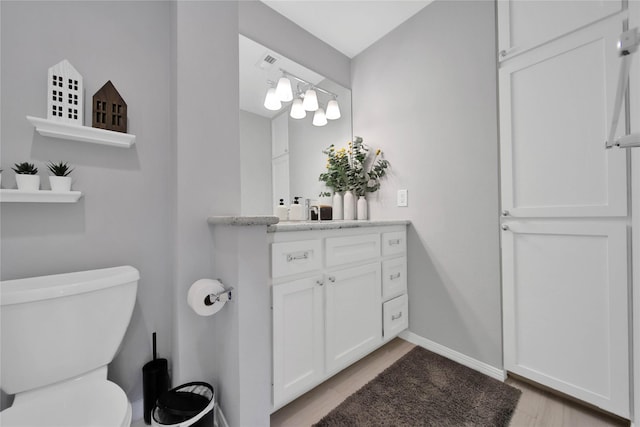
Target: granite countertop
<point>330,225</point>
<point>243,220</point>
<point>275,225</point>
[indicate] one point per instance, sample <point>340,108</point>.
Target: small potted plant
<point>60,180</point>
<point>27,176</point>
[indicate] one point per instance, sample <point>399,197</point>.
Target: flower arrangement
<point>352,168</point>
<point>337,174</point>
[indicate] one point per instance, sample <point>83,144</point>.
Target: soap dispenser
<point>297,211</point>
<point>281,211</point>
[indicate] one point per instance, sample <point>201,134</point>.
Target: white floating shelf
<point>41,196</point>
<point>68,131</point>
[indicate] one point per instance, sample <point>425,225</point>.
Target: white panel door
<point>353,314</point>
<point>555,109</point>
<point>565,308</point>
<point>280,179</point>
<point>298,341</point>
<point>524,24</point>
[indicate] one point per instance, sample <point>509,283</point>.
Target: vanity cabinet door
<point>353,317</point>
<point>298,346</point>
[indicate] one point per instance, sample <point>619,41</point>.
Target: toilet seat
<point>81,403</point>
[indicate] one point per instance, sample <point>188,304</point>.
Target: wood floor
<point>536,408</point>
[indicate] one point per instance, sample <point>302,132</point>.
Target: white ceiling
<point>350,26</point>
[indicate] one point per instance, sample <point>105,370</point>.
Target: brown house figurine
<point>109,109</point>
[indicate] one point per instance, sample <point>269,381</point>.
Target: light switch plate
<point>403,198</point>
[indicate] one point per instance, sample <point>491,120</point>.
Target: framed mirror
<point>281,155</point>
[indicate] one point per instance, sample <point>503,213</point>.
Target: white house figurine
<point>65,100</point>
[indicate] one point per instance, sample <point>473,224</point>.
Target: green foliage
<point>354,169</point>
<point>59,169</point>
<point>25,168</point>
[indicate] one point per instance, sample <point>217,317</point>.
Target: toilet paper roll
<point>199,291</point>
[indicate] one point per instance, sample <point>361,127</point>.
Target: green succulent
<point>59,169</point>
<point>25,168</point>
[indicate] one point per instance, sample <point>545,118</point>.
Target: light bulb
<point>271,101</point>
<point>319,118</point>
<point>310,101</point>
<point>333,110</point>
<point>283,90</point>
<point>297,112</point>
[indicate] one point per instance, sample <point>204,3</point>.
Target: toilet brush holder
<point>155,381</point>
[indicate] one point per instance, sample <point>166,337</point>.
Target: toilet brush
<point>155,381</point>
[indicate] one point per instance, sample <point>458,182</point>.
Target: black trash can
<point>191,404</point>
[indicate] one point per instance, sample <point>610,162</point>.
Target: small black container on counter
<point>155,381</point>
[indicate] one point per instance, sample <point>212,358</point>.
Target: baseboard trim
<point>221,421</point>
<point>458,357</point>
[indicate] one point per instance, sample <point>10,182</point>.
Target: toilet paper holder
<point>223,296</point>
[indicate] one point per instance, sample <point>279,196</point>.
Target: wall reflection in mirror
<point>288,115</point>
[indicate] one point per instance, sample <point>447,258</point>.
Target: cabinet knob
<point>505,213</point>
<point>332,279</point>
<point>319,283</point>
<point>505,227</point>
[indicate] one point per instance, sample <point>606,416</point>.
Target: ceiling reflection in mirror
<point>282,136</point>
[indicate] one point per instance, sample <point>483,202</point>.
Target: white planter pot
<point>60,184</point>
<point>337,206</point>
<point>28,182</point>
<point>349,206</point>
<point>362,208</point>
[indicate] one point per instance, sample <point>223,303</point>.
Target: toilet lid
<point>83,403</point>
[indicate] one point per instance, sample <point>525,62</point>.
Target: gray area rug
<point>425,389</point>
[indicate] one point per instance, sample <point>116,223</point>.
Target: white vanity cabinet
<point>339,291</point>
<point>352,316</point>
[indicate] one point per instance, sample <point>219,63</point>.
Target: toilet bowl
<point>58,334</point>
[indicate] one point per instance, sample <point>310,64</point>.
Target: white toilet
<point>58,335</point>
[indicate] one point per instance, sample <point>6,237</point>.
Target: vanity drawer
<point>346,250</point>
<point>395,313</point>
<point>394,243</point>
<point>289,258</point>
<point>394,277</point>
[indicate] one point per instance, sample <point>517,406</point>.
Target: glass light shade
<point>310,102</point>
<point>271,101</point>
<point>319,118</point>
<point>333,110</point>
<point>297,111</point>
<point>283,90</point>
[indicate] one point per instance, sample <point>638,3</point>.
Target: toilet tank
<point>57,327</point>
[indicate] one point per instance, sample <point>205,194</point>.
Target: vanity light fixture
<point>305,98</point>
<point>319,117</point>
<point>333,110</point>
<point>297,111</point>
<point>310,100</point>
<point>271,101</point>
<point>283,89</point>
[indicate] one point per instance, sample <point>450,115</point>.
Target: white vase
<point>60,184</point>
<point>337,206</point>
<point>349,206</point>
<point>362,208</point>
<point>28,182</point>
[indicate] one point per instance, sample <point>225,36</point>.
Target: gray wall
<point>255,164</point>
<point>208,176</point>
<point>426,95</point>
<point>124,216</point>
